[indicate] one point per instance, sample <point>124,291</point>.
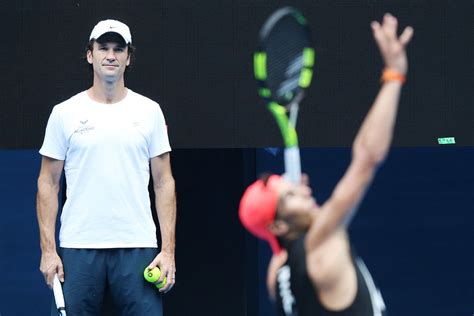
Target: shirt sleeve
<point>55,143</point>
<point>159,142</point>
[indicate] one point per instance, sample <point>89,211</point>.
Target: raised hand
<point>391,46</point>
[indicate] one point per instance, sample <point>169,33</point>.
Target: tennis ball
<point>161,284</point>
<point>153,276</point>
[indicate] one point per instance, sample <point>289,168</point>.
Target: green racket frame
<point>279,112</point>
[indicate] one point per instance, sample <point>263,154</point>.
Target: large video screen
<point>195,59</point>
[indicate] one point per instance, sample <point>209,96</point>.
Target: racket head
<point>283,64</point>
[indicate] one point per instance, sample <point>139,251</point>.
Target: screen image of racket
<point>283,67</point>
<point>58,296</point>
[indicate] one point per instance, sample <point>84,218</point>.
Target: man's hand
<point>50,265</point>
<point>390,45</point>
<point>165,261</point>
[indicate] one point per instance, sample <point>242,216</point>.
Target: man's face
<point>296,206</point>
<point>109,59</point>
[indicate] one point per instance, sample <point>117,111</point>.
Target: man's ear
<point>89,56</point>
<point>278,227</point>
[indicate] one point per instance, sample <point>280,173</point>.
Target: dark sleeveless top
<point>296,295</point>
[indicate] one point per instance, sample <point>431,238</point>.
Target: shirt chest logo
<point>83,127</point>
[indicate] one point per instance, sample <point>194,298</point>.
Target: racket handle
<point>58,296</point>
<point>292,165</point>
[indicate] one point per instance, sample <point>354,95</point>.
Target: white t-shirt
<point>106,149</point>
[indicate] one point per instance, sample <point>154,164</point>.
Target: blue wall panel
<point>415,230</point>
<point>210,251</point>
<point>22,288</point>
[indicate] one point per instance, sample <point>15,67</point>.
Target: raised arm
<point>375,135</point>
<point>373,140</point>
<point>164,187</point>
<point>47,211</point>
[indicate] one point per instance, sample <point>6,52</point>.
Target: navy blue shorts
<point>108,282</point>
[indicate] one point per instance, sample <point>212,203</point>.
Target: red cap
<point>258,209</point>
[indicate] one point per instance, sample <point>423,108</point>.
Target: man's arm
<point>164,187</point>
<point>47,211</point>
<point>373,139</point>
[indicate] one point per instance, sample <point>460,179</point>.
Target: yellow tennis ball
<point>153,276</point>
<point>161,284</point>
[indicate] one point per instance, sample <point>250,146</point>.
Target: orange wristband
<point>392,75</point>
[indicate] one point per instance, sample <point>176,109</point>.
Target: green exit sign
<point>446,140</point>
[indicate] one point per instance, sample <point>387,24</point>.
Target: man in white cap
<point>107,139</point>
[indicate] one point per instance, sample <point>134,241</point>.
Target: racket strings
<point>284,45</point>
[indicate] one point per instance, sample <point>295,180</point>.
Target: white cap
<point>111,26</point>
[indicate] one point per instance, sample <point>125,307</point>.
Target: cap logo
<point>111,26</point>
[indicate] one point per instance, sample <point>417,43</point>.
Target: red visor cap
<point>257,209</point>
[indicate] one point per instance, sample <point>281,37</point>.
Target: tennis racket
<point>58,296</point>
<point>283,67</point>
